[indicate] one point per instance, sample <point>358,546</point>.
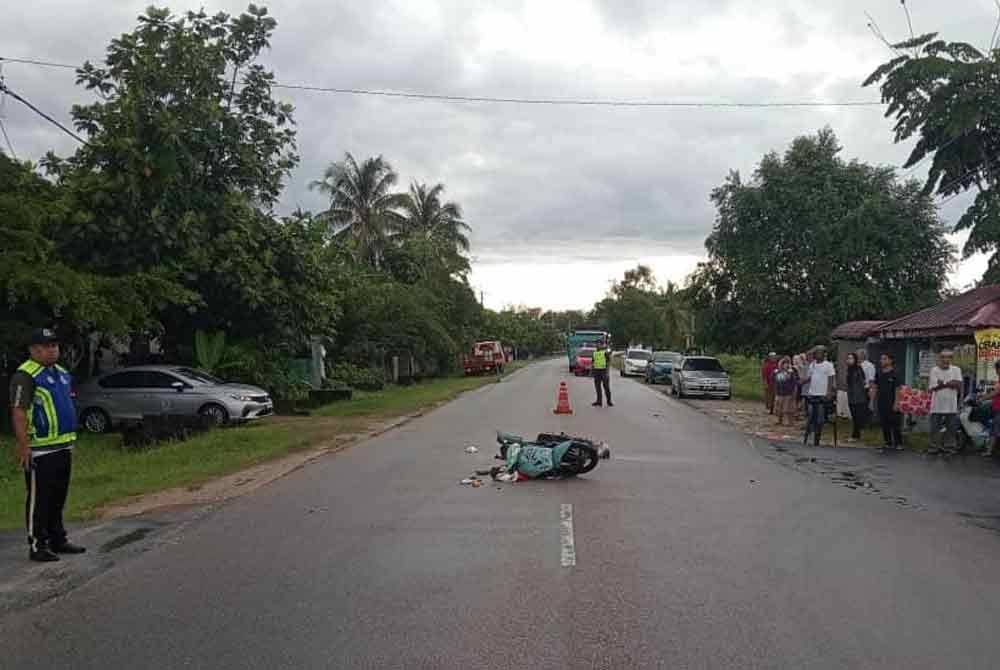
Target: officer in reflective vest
<point>602,380</point>
<point>44,418</point>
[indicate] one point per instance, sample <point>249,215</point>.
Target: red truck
<point>486,357</point>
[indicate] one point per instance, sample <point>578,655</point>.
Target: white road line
<point>566,535</point>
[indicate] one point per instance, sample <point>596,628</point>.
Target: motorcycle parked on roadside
<point>975,424</point>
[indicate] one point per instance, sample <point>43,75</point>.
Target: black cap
<point>43,336</point>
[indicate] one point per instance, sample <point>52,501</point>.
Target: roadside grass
<point>399,400</point>
<point>744,374</point>
<point>104,473</point>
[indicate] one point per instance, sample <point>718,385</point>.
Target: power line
<point>6,89</point>
<point>44,63</point>
<point>572,101</point>
<point>551,101</point>
<point>988,164</point>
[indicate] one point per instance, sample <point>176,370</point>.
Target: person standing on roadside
<point>857,396</point>
<point>767,371</point>
<point>602,380</point>
<point>44,418</point>
<point>944,383</point>
<point>821,388</point>
<point>869,370</point>
<point>994,397</point>
<point>786,384</point>
<point>887,400</point>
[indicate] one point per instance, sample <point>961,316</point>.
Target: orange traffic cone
<point>562,405</point>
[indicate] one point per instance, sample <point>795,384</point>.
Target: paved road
<point>693,550</point>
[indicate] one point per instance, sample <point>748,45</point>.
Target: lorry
<point>486,357</point>
<point>590,338</point>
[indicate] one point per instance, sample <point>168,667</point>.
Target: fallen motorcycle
<point>548,456</point>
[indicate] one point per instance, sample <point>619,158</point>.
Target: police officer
<point>601,377</point>
<point>44,418</point>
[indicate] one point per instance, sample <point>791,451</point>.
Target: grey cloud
<point>522,173</point>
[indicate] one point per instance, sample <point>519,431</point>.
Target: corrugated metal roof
<point>973,309</point>
<point>856,330</point>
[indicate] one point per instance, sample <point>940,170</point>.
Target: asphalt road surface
<point>690,549</point>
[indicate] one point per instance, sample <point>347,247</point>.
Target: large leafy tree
<point>186,121</point>
<point>638,311</point>
<point>187,150</point>
<point>947,95</point>
<point>812,241</point>
<point>38,287</point>
<point>364,207</point>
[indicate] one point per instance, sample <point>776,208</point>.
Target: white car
<point>635,362</point>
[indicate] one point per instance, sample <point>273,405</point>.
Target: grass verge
<point>104,473</point>
<point>744,374</point>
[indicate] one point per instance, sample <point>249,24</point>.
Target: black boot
<point>43,555</point>
<point>68,548</point>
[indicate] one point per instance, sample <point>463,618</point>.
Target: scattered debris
<point>753,481</point>
<point>471,449</point>
<point>468,481</point>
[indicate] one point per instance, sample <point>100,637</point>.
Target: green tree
<point>185,126</point>
<point>811,242</point>
<point>638,311</point>
<point>187,152</point>
<point>440,223</point>
<point>364,208</point>
<point>947,94</point>
<point>38,287</point>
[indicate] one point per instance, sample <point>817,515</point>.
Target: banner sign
<point>987,353</point>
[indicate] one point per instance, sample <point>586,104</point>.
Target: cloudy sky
<point>561,199</point>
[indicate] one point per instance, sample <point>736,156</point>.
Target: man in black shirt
<point>887,384</point>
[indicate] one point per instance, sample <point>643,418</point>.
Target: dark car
<point>661,367</point>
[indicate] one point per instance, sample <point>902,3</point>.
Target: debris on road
<point>471,449</point>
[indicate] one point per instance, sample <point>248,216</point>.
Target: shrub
<point>348,374</point>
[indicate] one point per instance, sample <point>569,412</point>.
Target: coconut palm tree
<point>364,208</point>
<point>426,216</point>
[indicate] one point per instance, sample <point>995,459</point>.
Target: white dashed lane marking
<point>568,546</point>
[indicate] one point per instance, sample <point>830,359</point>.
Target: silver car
<point>701,375</point>
<point>129,393</point>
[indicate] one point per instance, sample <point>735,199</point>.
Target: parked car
<point>129,393</point>
<point>486,358</point>
<point>661,367</point>
<point>635,362</point>
<point>584,361</point>
<point>702,376</point>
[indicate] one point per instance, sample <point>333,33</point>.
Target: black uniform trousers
<point>602,380</point>
<point>892,425</point>
<point>47,480</point>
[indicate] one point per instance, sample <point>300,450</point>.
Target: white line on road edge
<point>566,535</point>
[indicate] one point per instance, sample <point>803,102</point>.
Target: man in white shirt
<point>820,387</point>
<point>868,367</point>
<point>945,383</point>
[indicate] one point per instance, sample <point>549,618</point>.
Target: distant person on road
<point>602,380</point>
<point>944,383</point>
<point>43,415</point>
<point>767,371</point>
<point>857,396</point>
<point>821,388</point>
<point>786,389</point>
<point>887,386</point>
<point>802,369</point>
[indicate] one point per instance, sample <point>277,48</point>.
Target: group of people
<point>800,384</point>
<point>807,383</point>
